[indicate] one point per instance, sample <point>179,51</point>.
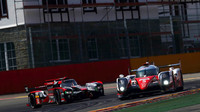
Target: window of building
<point>89,9</point>
<point>56,2</point>
<point>92,49</point>
<point>2,58</point>
<point>61,51</point>
<point>188,48</point>
<point>3,8</point>
<point>125,7</point>
<point>7,56</point>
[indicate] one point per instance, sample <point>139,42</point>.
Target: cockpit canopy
<point>145,71</point>
<point>69,83</point>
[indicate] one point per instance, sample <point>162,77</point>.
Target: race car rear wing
<point>134,70</point>
<point>58,79</point>
<point>171,65</point>
<point>35,88</point>
<point>164,66</point>
<point>46,84</point>
<point>54,81</point>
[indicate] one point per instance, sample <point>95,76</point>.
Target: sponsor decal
<point>38,101</point>
<point>144,82</point>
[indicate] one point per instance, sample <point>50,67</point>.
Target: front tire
<point>102,91</point>
<point>32,101</point>
<point>57,97</point>
<point>121,97</point>
<point>174,84</point>
<point>182,84</point>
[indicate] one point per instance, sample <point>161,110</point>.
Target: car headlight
<point>166,82</point>
<point>122,88</point>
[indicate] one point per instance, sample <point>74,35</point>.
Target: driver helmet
<point>55,82</point>
<point>121,76</point>
<point>171,68</point>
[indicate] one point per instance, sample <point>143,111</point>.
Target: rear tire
<point>93,95</point>
<point>102,91</point>
<point>68,98</point>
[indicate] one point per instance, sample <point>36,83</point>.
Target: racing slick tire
<point>182,84</point>
<point>68,98</point>
<point>164,90</point>
<point>174,84</point>
<point>57,97</point>
<point>32,101</point>
<point>101,91</point>
<point>121,97</point>
<point>93,95</point>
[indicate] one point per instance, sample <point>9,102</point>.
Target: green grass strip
<point>166,105</point>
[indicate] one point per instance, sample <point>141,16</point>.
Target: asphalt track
<point>17,102</point>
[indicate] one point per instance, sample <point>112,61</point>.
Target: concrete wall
<point>106,71</point>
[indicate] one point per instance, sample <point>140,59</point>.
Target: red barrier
<point>106,71</point>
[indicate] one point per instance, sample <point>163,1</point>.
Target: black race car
<point>62,90</point>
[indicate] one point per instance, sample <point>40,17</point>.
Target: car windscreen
<point>69,83</point>
<point>146,72</point>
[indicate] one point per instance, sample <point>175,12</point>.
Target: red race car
<point>62,90</point>
<point>149,78</point>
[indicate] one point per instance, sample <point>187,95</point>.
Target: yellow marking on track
<point>191,78</point>
<point>20,97</point>
<point>11,98</point>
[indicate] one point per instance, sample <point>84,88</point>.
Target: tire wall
<point>106,71</point>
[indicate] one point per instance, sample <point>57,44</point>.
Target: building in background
<point>38,33</point>
<point>13,39</point>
